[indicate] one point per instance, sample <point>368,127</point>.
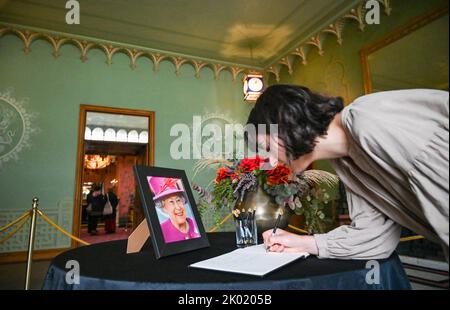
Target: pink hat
<point>162,186</point>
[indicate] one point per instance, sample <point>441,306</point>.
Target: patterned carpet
<point>120,234</point>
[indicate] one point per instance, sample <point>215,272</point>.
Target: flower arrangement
<point>301,193</point>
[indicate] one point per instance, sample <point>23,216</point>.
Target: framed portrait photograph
<point>174,222</point>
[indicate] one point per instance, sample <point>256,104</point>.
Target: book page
<point>252,260</point>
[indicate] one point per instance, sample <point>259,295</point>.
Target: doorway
<point>111,142</point>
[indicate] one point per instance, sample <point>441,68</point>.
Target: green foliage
<point>281,192</point>
<point>223,194</point>
<point>202,207</point>
<point>312,208</point>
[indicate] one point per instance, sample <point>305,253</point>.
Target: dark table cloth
<point>107,266</point>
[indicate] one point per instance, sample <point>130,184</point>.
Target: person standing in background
<point>97,203</point>
<point>110,220</point>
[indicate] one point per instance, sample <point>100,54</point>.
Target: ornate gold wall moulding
<point>300,52</point>
<point>316,41</point>
<point>357,14</point>
<point>287,61</point>
<point>275,70</point>
<point>110,49</point>
<point>387,6</point>
<point>336,29</point>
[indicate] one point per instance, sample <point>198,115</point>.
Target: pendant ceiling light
<point>253,86</point>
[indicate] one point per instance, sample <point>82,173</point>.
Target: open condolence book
<point>253,260</point>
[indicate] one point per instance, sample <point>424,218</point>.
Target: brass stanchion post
<point>31,242</point>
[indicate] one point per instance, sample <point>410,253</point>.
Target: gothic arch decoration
<point>109,49</point>
<point>315,42</point>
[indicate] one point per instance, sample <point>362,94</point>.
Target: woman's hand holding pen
<point>284,241</point>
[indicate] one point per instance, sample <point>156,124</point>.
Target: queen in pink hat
<point>172,200</point>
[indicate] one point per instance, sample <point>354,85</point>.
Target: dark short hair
<point>302,115</point>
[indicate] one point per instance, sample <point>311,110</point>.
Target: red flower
<point>222,173</point>
<point>251,164</point>
<point>278,175</point>
<point>234,176</point>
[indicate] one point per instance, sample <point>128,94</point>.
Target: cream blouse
<point>396,173</point>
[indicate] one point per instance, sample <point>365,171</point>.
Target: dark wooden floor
<point>12,276</point>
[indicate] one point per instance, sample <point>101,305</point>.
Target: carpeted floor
<point>120,234</point>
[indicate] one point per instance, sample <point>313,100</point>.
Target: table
<point>107,266</point>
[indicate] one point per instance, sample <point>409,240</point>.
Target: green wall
<point>56,88</point>
<point>338,70</point>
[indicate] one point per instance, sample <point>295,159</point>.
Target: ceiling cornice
<point>355,15</point>
<point>28,35</point>
<point>57,39</point>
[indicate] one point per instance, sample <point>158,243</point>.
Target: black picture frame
<point>161,247</point>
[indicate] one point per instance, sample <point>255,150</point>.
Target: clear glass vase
<point>246,230</point>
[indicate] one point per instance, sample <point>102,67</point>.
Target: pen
<point>277,222</point>
<point>275,227</point>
